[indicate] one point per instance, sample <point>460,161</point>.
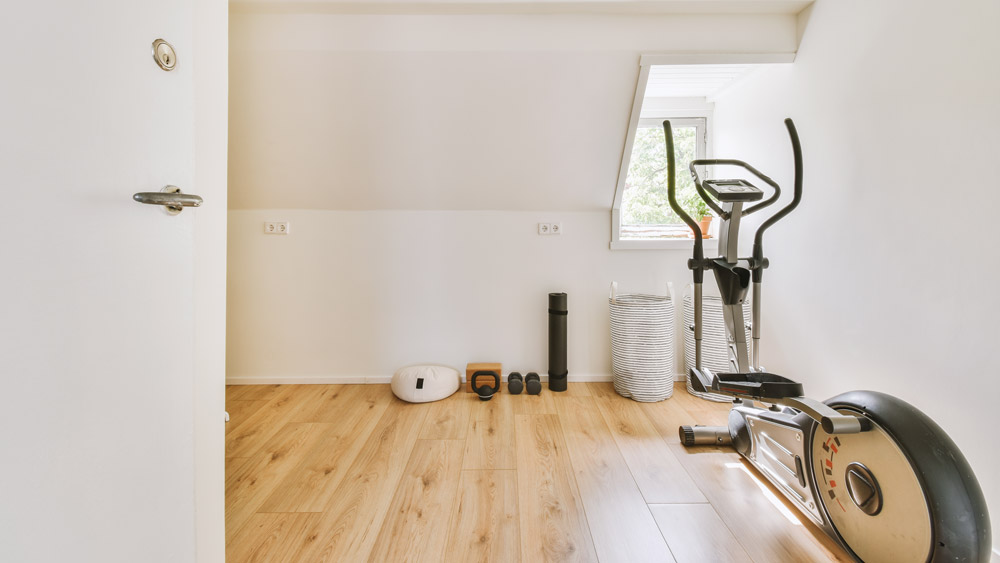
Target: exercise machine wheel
<point>901,491</point>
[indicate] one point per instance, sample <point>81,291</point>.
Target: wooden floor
<point>349,473</point>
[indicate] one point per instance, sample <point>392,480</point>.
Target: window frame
<point>646,62</point>
<point>700,123</point>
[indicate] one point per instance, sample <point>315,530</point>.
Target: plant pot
<point>705,223</point>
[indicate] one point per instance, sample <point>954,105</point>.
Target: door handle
<point>170,197</point>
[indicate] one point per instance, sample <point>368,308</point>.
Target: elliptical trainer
<point>872,471</point>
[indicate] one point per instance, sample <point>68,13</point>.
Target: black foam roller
<point>557,341</point>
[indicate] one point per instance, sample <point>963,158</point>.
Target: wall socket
<point>276,227</point>
<point>550,228</point>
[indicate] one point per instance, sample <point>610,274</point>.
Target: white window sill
<point>662,244</point>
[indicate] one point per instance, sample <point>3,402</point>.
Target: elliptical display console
<point>871,470</point>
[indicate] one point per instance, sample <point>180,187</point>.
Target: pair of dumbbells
<point>515,383</point>
<point>531,382</point>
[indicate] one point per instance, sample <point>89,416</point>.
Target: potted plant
<point>698,209</point>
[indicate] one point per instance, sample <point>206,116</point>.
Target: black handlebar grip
<point>758,240</point>
<point>699,253</point>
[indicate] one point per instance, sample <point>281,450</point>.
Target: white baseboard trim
<point>305,379</point>
<point>342,379</point>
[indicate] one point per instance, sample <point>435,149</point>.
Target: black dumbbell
<point>515,383</point>
<point>486,390</point>
<point>533,383</point>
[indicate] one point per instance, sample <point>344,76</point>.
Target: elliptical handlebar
<point>701,189</point>
<point>758,240</point>
<point>758,250</point>
<point>699,253</point>
<point>731,162</point>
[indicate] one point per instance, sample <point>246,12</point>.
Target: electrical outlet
<point>550,228</point>
<point>277,227</point>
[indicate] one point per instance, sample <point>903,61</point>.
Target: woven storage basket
<point>714,351</point>
<point>642,345</point>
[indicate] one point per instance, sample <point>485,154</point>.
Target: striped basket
<point>642,345</point>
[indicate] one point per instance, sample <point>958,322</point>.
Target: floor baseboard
<point>342,379</point>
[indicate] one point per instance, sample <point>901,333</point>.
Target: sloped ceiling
<point>697,81</point>
<point>502,112</point>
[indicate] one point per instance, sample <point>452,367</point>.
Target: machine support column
<point>755,327</point>
<point>697,325</point>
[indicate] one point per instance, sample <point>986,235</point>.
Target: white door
<point>96,316</point>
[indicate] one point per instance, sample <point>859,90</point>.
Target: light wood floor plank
<point>660,477</point>
<point>323,405</point>
<point>310,486</point>
<point>449,419</point>
<point>257,429</point>
<point>239,411</point>
<point>490,440</point>
<point>555,526</point>
<point>602,389</point>
<point>259,392</point>
<point>668,416</point>
<point>696,534</point>
<point>374,397</point>
<point>352,520</point>
<point>767,528</point>
<point>233,465</point>
<point>621,525</point>
<point>543,403</point>
<point>485,520</point>
<point>252,483</point>
<point>576,389</point>
<point>234,392</point>
<point>416,527</point>
<point>268,537</point>
<point>709,413</point>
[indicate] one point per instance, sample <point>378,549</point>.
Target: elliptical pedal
<point>762,386</point>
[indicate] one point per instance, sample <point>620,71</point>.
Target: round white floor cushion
<point>423,384</point>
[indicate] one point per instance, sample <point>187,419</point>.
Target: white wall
<point>360,294</point>
<point>361,129</point>
<point>884,278</point>
<point>459,112</point>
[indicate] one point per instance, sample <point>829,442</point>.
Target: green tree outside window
<point>644,201</point>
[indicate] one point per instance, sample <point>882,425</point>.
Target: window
<point>681,88</point>
<point>645,212</point>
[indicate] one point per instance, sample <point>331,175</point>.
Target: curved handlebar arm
<point>726,161</point>
<point>758,240</point>
<point>701,189</point>
<point>699,254</point>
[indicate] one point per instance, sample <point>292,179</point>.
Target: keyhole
<point>163,54</point>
